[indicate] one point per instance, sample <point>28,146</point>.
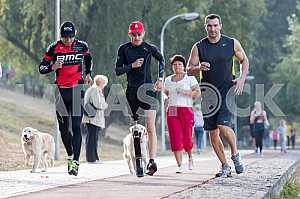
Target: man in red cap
<point>66,57</point>
<point>134,60</point>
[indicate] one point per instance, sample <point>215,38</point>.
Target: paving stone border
<point>262,180</point>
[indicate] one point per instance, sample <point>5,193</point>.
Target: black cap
<point>67,29</point>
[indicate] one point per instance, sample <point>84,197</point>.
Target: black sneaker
<point>151,168</point>
<point>74,168</point>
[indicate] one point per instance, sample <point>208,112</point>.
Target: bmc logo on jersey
<point>70,58</point>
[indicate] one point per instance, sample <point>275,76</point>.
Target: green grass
<point>22,111</point>
<point>290,191</point>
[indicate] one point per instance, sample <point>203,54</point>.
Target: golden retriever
<point>128,146</point>
<point>40,146</point>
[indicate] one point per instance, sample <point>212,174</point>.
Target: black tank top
<point>220,56</point>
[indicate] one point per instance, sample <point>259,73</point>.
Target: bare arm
<point>252,117</point>
<point>196,92</point>
<point>194,66</point>
<point>244,63</point>
<point>266,118</point>
<point>242,57</point>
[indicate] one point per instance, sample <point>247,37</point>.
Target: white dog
<point>40,146</point>
<point>128,145</point>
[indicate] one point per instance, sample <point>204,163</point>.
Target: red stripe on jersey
<point>48,57</point>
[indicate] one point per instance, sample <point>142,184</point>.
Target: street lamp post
<point>185,16</point>
<point>57,36</point>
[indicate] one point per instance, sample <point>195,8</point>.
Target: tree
<point>270,38</point>
<point>288,69</point>
<point>24,31</point>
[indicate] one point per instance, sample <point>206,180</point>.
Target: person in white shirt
<point>95,124</point>
<point>181,89</point>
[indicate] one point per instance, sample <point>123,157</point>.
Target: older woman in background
<point>95,96</point>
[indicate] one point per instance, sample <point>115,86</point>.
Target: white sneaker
<point>191,164</point>
<point>179,169</point>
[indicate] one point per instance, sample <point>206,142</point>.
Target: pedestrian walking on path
<point>282,129</point>
<point>293,137</point>
<point>275,138</point>
<point>259,120</point>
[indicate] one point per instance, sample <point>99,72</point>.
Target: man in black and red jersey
<point>66,58</point>
<point>134,60</point>
<point>212,59</point>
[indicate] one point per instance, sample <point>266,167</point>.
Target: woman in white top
<point>94,95</point>
<point>181,89</point>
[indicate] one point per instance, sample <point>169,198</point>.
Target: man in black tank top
<point>212,59</point>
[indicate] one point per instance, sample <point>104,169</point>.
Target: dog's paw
<point>132,172</point>
<point>44,170</point>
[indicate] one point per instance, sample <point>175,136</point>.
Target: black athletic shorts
<point>224,115</point>
<point>146,100</point>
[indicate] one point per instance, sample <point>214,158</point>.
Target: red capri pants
<point>180,122</point>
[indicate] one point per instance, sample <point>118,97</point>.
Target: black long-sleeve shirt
<point>128,53</point>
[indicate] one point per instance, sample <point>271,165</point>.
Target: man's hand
<point>239,85</point>
<point>158,85</point>
<point>57,64</point>
<point>88,80</point>
<point>138,63</point>
<point>205,66</point>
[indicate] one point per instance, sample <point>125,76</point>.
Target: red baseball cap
<point>136,26</point>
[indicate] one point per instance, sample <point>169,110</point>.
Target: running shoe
<point>225,171</point>
<point>74,166</point>
<point>151,168</point>
<point>179,169</point>
<point>237,161</point>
